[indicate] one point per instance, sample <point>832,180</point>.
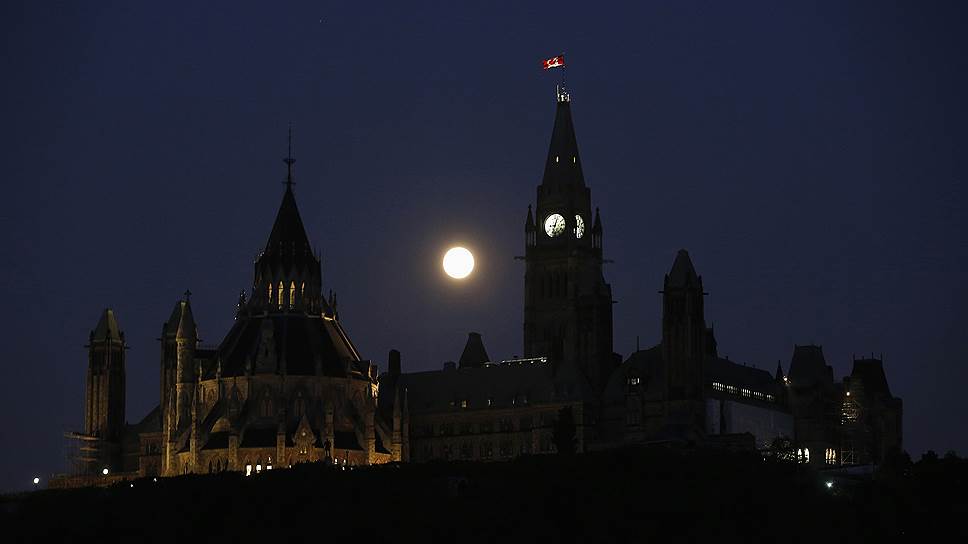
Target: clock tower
<point>567,303</point>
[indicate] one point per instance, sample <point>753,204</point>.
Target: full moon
<point>458,262</point>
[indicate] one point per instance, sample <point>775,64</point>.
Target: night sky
<point>810,158</point>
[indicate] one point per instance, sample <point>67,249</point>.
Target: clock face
<point>554,225</point>
<point>579,226</point>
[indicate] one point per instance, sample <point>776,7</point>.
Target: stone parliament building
<point>286,384</point>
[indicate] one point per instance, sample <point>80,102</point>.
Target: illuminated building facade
<point>285,385</point>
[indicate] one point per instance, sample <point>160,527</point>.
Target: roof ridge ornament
<point>289,160</point>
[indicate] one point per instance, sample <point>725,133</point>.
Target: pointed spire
<point>288,233</point>
<point>529,222</point>
<point>683,274</point>
<point>597,227</point>
<point>779,371</point>
<point>107,328</point>
<point>563,166</point>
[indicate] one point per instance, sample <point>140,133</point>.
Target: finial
<point>188,295</point>
<point>289,162</point>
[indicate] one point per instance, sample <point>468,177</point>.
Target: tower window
<point>279,295</point>
<point>302,291</point>
<point>292,295</point>
<point>269,293</point>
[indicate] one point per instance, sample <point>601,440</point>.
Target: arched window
<point>302,292</point>
<point>299,405</point>
<point>292,295</point>
<point>266,405</point>
<point>269,293</point>
<point>279,295</point>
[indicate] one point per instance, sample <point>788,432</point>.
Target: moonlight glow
<point>458,262</point>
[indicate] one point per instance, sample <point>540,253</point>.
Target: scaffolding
<point>85,454</point>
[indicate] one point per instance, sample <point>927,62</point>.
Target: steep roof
<point>501,385</point>
<point>298,339</point>
<point>808,367</point>
<point>107,327</point>
<point>563,166</point>
<point>728,372</point>
<point>683,273</point>
<point>288,230</point>
<point>870,372</point>
<point>474,353</point>
<point>181,322</point>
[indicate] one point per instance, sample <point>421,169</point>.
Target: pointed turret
<point>529,229</point>
<point>287,273</point>
<point>107,328</point>
<point>683,274</point>
<point>105,399</point>
<point>474,353</point>
<point>780,378</point>
<point>597,231</point>
<point>563,166</point>
<point>684,336</point>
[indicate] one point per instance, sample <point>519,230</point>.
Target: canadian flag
<point>553,62</point>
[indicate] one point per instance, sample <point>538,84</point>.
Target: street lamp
<point>104,471</point>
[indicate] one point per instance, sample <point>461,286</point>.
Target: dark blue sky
<point>810,158</point>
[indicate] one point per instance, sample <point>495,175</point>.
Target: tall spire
<point>563,166</point>
<point>289,160</point>
<point>288,233</point>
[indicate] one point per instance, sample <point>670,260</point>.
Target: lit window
<point>279,295</point>
<point>769,397</point>
<point>634,380</point>
<point>292,295</point>
<point>746,392</point>
<point>830,456</point>
<point>258,469</point>
<point>248,470</point>
<point>556,159</point>
<point>731,390</point>
<point>718,386</point>
<point>463,403</point>
<point>302,291</point>
<point>269,293</point>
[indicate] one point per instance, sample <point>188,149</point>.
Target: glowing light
<point>36,480</point>
<point>830,485</point>
<point>104,471</point>
<point>458,262</point>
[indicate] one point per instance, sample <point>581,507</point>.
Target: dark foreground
<point>629,494</point>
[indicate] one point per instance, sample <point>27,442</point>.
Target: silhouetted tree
<point>563,432</point>
<point>897,463</point>
<point>929,457</point>
<point>781,449</point>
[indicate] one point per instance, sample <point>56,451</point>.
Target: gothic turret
<point>104,406</point>
<point>683,341</point>
<point>179,340</point>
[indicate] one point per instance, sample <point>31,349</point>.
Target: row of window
<point>504,425</point>
<point>281,296</point>
<point>484,449</point>
<point>517,400</point>
<point>747,393</point>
